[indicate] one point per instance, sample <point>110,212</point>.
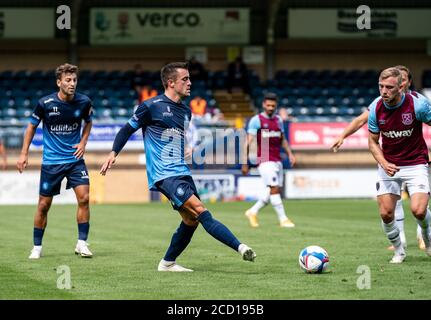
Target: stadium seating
<point>309,95</point>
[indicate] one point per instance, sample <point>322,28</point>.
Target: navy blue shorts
<point>177,189</point>
<point>51,176</point>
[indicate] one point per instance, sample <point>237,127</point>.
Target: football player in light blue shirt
<point>62,114</point>
<point>164,120</point>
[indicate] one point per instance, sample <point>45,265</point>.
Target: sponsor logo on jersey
<point>398,134</point>
<point>64,128</point>
<point>407,118</point>
<point>271,134</point>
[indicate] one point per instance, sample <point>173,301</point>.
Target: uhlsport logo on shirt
<point>398,134</point>
<point>168,113</point>
<point>54,112</point>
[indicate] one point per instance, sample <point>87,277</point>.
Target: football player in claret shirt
<point>267,128</point>
<point>62,114</point>
<point>402,157</point>
<point>357,123</point>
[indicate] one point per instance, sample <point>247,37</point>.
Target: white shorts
<point>415,179</point>
<point>271,173</point>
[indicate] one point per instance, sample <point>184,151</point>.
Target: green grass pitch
<point>129,240</point>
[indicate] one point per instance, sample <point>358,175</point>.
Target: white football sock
<point>278,206</point>
<point>399,220</point>
<point>263,201</point>
<point>393,235</point>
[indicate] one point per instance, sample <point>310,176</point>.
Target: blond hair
<point>391,72</point>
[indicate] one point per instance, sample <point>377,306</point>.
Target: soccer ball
<point>313,259</point>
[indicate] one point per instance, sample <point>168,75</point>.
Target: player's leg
<point>78,179</point>
<point>40,222</point>
<point>195,208</point>
<point>275,181</point>
<point>82,193</point>
<point>180,240</point>
<point>419,203</point>
<point>399,222</point>
<point>418,185</point>
<point>251,213</point>
<point>49,186</point>
<point>387,203</point>
<point>388,193</point>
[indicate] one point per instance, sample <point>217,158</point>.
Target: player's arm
<point>80,147</point>
<point>28,138</point>
<point>140,119</point>
<point>3,155</point>
<point>288,150</point>
<point>246,149</point>
<point>352,127</point>
<point>376,151</point>
<point>119,142</point>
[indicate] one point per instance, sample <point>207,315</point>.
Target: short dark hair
<point>270,96</point>
<point>65,68</point>
<point>169,71</point>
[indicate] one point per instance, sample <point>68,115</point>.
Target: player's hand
<point>80,150</point>
<point>391,169</point>
<point>108,163</point>
<point>337,144</point>
<point>188,153</point>
<point>292,159</point>
<point>245,169</point>
<point>22,162</point>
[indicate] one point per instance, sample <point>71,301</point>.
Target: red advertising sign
<point>321,135</point>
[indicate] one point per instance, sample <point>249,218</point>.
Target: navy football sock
<point>37,236</point>
<point>218,230</point>
<point>83,229</point>
<point>180,239</point>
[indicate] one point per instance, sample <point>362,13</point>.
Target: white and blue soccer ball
<point>313,259</point>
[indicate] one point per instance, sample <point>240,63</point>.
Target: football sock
<point>263,201</point>
<point>218,230</point>
<point>399,220</point>
<point>393,234</point>
<point>424,224</point>
<point>278,206</point>
<point>83,230</point>
<point>37,236</point>
<point>180,239</point>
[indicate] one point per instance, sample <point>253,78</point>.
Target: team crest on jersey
<point>265,125</point>
<point>77,113</point>
<point>407,118</point>
<point>180,191</point>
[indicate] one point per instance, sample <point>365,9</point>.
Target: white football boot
<point>247,253</point>
<point>171,266</point>
<point>36,253</point>
<point>82,249</point>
